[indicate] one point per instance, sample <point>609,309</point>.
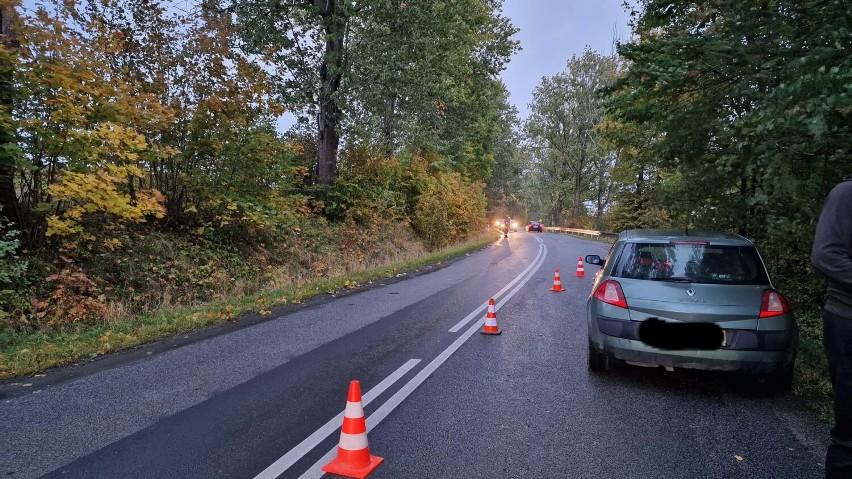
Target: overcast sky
<point>551,31</point>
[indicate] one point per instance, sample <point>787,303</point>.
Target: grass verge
<point>33,353</point>
<point>811,379</point>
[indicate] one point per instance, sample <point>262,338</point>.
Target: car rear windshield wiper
<point>674,279</point>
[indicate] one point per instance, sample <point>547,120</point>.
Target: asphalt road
<point>441,400</point>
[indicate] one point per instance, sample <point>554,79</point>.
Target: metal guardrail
<point>591,233</point>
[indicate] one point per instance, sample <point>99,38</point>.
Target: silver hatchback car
<point>690,279</point>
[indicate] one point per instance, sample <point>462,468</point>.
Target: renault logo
<point>690,292</point>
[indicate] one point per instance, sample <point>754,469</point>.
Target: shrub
<point>13,294</point>
<point>449,209</point>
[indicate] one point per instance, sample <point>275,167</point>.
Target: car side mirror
<point>595,259</point>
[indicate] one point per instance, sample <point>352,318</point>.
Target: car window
<point>698,263</point>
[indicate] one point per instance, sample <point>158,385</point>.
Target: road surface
<point>266,399</point>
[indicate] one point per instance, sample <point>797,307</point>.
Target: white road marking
<point>315,471</point>
<point>287,460</point>
<point>522,283</point>
<point>481,309</point>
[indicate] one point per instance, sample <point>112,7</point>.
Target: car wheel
<point>597,361</point>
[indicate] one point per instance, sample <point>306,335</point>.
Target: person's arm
<point>832,251</point>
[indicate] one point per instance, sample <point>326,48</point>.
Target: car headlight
<point>514,225</point>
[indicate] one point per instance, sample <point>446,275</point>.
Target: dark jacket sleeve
<point>832,250</point>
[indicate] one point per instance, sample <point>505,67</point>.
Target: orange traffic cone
<point>353,454</point>
<point>491,320</point>
<point>557,283</point>
<point>580,271</point>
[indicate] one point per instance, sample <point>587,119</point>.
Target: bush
<point>449,209</point>
<point>14,305</point>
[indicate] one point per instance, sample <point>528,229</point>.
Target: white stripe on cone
<point>353,442</point>
<point>354,410</point>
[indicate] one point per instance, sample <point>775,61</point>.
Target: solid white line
<point>522,283</point>
<point>479,310</point>
<point>315,471</point>
<point>287,460</point>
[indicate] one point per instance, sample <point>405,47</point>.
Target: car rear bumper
<point>755,362</point>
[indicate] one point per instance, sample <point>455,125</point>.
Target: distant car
<point>535,226</point>
<point>690,278</point>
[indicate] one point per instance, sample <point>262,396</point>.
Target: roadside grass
<point>36,352</point>
<point>811,379</point>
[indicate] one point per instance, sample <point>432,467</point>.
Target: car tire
<point>598,361</point>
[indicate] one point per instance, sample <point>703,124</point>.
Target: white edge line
<point>478,310</point>
<point>522,283</point>
<point>293,455</point>
<point>315,471</point>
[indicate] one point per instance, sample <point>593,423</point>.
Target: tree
<point>561,129</point>
<point>9,151</point>
<point>402,74</point>
<point>741,105</point>
<point>308,39</point>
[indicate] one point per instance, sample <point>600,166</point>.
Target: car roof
<point>668,235</point>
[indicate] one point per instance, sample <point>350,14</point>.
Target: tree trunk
<point>8,136</point>
<point>331,75</point>
<point>387,127</point>
<point>556,212</point>
<point>575,213</point>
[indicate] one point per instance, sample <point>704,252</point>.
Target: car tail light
<point>610,292</point>
<point>773,304</point>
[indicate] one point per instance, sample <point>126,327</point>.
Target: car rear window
<point>695,263</point>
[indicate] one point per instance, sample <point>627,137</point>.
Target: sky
<point>551,32</point>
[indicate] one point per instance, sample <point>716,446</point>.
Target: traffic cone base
<point>343,467</point>
<point>353,453</point>
<point>557,283</point>
<point>490,326</point>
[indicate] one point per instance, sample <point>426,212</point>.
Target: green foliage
<point>736,116</point>
<point>449,209</point>
<point>12,268</point>
<point>410,77</point>
<point>13,300</point>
